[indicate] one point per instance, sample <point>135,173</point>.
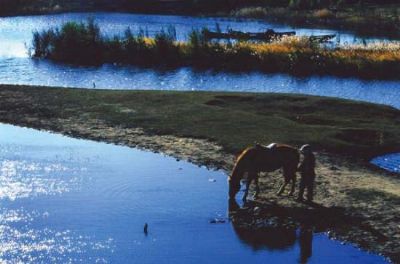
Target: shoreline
<point>369,197</point>
<point>283,211</point>
<point>348,18</point>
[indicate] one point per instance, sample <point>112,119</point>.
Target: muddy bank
<point>353,202</point>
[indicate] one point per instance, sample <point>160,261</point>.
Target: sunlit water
<point>17,68</point>
<point>68,200</point>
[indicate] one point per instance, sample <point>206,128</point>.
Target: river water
<point>17,68</point>
<point>65,200</point>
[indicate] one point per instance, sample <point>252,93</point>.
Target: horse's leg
<point>282,188</point>
<point>246,192</point>
<point>293,177</point>
<point>290,176</point>
<point>250,177</point>
<point>257,186</point>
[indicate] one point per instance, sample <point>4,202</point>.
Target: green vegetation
<point>369,17</point>
<point>83,44</point>
<point>188,6</point>
<point>233,120</point>
<point>369,20</point>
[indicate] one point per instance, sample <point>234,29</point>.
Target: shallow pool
<point>69,200</point>
<point>390,162</point>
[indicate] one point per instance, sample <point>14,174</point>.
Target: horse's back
<point>270,158</point>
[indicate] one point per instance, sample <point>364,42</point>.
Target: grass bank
<point>358,205</point>
<point>232,120</point>
<point>83,43</point>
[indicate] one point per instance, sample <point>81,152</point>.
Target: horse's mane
<point>239,156</point>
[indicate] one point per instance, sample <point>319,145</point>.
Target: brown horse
<point>254,160</point>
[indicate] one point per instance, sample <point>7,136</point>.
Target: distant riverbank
<point>366,19</point>
<point>84,44</point>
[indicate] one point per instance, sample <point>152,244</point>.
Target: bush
<point>324,14</point>
<point>252,12</point>
<point>74,43</point>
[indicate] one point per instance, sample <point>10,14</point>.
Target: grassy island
<point>233,120</point>
<point>83,43</point>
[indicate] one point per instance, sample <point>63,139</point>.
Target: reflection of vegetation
<point>82,43</point>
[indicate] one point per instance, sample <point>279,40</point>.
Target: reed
<point>82,43</point>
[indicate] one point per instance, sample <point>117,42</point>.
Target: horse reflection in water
<point>258,159</point>
<point>278,238</point>
<point>274,237</point>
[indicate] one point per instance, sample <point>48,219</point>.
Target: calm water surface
<point>69,200</point>
<point>389,162</point>
<point>17,68</point>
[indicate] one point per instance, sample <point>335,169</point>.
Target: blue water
<point>17,68</point>
<point>68,200</point>
<point>390,162</point>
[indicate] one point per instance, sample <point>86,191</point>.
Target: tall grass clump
<point>83,43</point>
<point>74,42</point>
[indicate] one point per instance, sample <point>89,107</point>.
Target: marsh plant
<point>83,43</point>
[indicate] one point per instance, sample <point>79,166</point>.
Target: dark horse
<point>254,160</point>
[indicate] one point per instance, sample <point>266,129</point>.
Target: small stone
<point>217,221</point>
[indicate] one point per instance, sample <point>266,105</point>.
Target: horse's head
<point>234,187</point>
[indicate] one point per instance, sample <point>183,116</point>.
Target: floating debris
<point>217,221</point>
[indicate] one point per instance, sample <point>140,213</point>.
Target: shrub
<point>252,12</point>
<point>324,14</point>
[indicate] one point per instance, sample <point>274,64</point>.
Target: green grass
<point>233,120</point>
